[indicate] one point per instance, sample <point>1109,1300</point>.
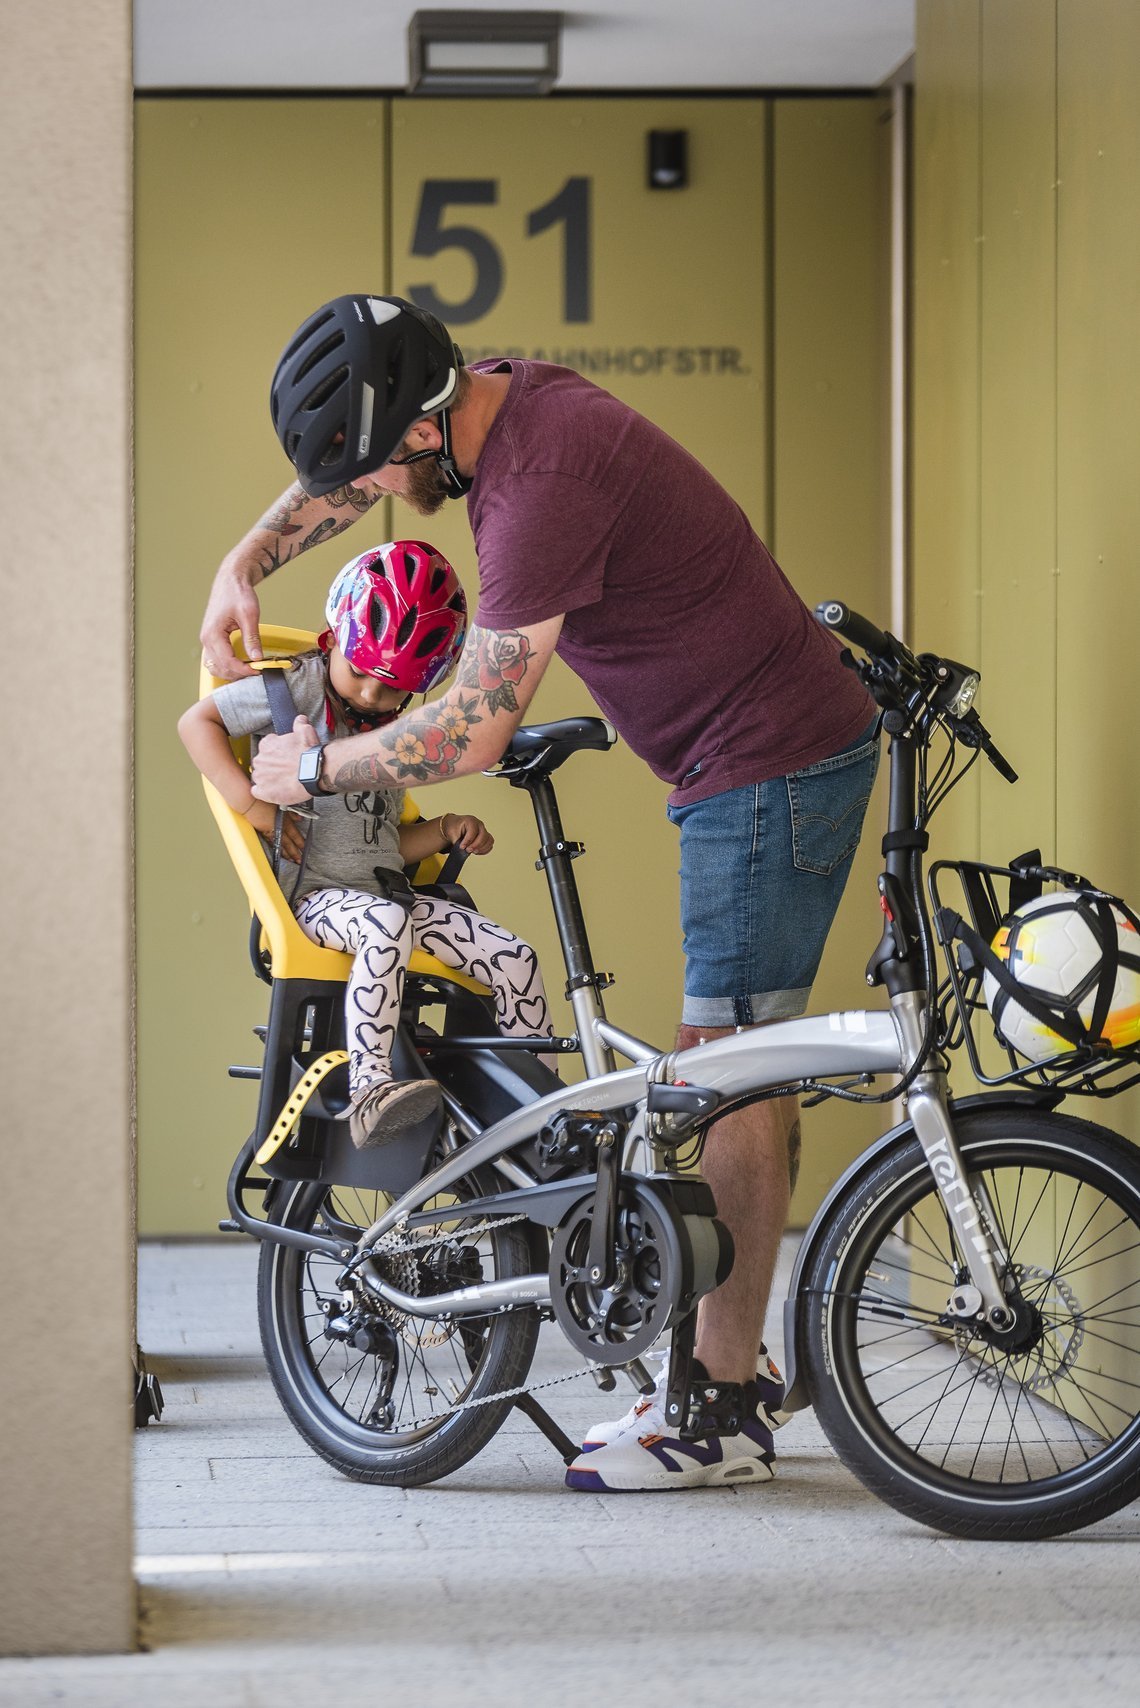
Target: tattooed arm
<point>466,730</point>
<point>294,523</point>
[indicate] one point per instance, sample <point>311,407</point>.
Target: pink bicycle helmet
<point>397,612</point>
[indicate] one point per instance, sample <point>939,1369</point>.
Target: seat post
<point>584,984</point>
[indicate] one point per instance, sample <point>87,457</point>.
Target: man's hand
<point>233,605</point>
<point>273,775</point>
<point>263,818</point>
<point>464,830</point>
<point>296,522</point>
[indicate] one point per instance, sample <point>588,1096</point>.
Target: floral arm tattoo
<point>298,521</point>
<point>428,744</point>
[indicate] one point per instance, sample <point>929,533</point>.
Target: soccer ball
<point>1052,945</point>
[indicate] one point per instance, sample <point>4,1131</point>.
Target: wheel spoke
<point>332,1388</point>
<point>952,1397</point>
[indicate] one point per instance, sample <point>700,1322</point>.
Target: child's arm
<point>206,740</point>
<point>450,830</point>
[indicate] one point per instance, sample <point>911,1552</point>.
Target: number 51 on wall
<point>432,235</point>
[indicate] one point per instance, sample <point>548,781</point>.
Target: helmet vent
<point>407,626</point>
<point>395,371</point>
<point>433,639</point>
<point>310,328</point>
<point>438,577</point>
<point>409,567</point>
<point>321,393</point>
<point>377,617</point>
<point>323,349</point>
<point>332,455</point>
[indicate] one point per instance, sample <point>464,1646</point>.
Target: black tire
<point>485,1355</point>
<point>1044,1441</point>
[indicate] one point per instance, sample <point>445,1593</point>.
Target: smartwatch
<point>309,769</point>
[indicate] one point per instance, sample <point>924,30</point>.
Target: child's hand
<point>263,818</point>
<point>464,830</point>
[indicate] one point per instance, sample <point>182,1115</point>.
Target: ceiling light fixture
<point>483,53</point>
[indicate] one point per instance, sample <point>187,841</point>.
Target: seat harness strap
<point>296,1101</point>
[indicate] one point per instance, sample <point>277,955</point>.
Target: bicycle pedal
<point>714,1408</point>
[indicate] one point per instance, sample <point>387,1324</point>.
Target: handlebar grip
<point>835,615</point>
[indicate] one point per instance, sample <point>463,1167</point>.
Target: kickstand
<point>542,1420</point>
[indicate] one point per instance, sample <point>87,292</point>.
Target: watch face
<point>309,767</point>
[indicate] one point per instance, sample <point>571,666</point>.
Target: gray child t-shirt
<point>351,834</point>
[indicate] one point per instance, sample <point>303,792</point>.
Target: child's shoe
<point>388,1108</point>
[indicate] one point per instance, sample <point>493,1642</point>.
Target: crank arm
<point>603,1230</point>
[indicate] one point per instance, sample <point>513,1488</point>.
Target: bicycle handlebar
<point>842,620</point>
<point>893,675</point>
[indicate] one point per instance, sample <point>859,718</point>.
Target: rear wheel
<point>370,1388</point>
<point>1029,1436</point>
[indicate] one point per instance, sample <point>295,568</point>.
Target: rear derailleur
<point>355,1325</point>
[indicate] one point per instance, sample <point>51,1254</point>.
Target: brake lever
<point>972,732</point>
<point>999,762</point>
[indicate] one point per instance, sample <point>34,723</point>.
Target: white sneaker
<point>649,1457</point>
<point>647,1414</point>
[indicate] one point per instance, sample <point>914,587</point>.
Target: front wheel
<point>1030,1438</point>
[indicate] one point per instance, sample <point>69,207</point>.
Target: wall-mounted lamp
<point>668,159</point>
<point>483,53</point>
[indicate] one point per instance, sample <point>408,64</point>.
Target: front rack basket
<point>986,896</point>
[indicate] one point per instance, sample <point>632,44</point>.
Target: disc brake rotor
<point>1057,1350</point>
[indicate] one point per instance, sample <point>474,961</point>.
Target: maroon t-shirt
<point>678,620</point>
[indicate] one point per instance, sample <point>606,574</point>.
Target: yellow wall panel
<point>945,593</point>
<point>1018,422</point>
<point>830,456</point>
<point>680,324</point>
<point>1098,423</point>
<point>660,297</point>
<point>1028,109</point>
<point>241,230</point>
<point>1098,429</point>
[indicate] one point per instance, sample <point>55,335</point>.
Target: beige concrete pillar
<point>65,860</point>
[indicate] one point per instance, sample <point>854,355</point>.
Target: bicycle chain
<point>398,1244</point>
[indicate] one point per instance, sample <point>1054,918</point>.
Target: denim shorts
<point>762,872</point>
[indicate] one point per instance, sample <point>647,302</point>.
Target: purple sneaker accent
<point>657,1458</point>
<point>647,1415</point>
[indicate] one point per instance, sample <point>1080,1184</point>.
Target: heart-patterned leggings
<point>382,934</point>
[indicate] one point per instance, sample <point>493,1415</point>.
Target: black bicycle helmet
<point>353,379</point>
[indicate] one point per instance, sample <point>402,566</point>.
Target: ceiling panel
<point>666,44</point>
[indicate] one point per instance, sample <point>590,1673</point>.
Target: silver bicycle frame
<point>819,1047</point>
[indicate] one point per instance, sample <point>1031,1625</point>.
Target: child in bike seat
<point>396,619</point>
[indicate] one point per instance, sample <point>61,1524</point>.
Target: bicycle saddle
<point>543,747</point>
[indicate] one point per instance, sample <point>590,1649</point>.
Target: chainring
<point>616,1323</point>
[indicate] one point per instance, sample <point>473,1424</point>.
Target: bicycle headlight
<point>964,698</point>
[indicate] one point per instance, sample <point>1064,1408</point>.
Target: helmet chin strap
<point>458,485</point>
<point>360,722</point>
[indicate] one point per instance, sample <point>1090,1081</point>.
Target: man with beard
<point>600,538</point>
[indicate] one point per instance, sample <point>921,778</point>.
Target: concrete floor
<point>266,1579</point>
